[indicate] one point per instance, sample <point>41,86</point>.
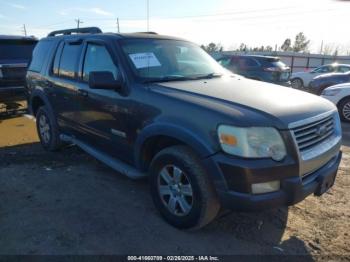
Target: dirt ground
<point>69,203</point>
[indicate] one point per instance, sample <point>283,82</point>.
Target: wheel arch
<point>37,99</point>
<point>159,136</point>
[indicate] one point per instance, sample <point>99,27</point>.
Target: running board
<point>115,164</point>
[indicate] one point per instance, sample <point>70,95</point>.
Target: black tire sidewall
<point>191,219</point>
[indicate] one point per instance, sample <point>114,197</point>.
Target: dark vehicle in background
<point>263,68</point>
<point>319,83</point>
<point>15,54</point>
<point>160,107</point>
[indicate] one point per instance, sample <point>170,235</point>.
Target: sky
<point>228,22</point>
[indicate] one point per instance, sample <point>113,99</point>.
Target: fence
<point>296,61</point>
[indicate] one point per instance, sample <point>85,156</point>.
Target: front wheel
<point>297,83</point>
<point>181,189</point>
<point>344,110</point>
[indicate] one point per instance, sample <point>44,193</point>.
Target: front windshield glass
<point>155,60</point>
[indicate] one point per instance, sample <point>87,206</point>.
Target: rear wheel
<point>47,129</point>
<point>344,109</point>
<point>297,83</point>
<point>181,189</point>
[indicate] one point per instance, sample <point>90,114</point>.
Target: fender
<point>171,130</point>
<point>38,92</point>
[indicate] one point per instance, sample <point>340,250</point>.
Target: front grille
<point>310,135</point>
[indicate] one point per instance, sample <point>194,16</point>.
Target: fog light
<point>266,187</point>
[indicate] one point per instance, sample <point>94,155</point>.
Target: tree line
<point>301,45</point>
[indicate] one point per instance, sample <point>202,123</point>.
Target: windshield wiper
<point>168,79</point>
<point>182,78</point>
<point>208,76</point>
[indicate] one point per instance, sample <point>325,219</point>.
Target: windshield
<point>16,49</point>
<point>155,60</point>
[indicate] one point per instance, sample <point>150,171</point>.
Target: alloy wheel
<point>175,190</point>
<point>346,111</point>
<point>44,128</point>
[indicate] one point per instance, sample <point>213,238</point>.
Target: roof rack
<point>84,30</point>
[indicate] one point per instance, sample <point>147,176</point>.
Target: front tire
<point>297,83</point>
<point>344,110</point>
<point>181,188</point>
<point>47,129</point>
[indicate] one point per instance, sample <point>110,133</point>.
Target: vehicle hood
<point>279,104</point>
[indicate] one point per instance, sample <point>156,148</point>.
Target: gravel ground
<point>69,203</point>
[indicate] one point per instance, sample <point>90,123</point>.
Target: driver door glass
<point>98,59</point>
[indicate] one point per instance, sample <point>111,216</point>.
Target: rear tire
<point>344,110</point>
<point>47,129</point>
<point>181,189</point>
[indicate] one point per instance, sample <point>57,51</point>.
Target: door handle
<point>83,92</point>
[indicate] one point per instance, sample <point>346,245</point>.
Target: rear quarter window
<point>40,54</point>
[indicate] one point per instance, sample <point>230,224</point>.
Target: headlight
<point>252,142</point>
<point>330,92</point>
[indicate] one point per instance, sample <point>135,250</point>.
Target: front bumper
<point>293,187</point>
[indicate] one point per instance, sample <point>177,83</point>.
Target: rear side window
<point>98,59</point>
<point>69,60</point>
<point>39,55</point>
<point>247,63</point>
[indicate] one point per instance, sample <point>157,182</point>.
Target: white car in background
<point>340,96</point>
<point>303,79</point>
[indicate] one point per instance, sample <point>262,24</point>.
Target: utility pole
<point>321,47</point>
<point>118,25</point>
<point>147,15</point>
<point>24,30</point>
<point>78,22</point>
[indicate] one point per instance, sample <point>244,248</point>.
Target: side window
<point>225,61</point>
<point>39,55</point>
<point>69,60</point>
<point>343,69</point>
<point>323,69</point>
<point>247,63</point>
<point>56,62</point>
<point>97,59</point>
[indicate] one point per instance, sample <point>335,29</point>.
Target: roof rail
<point>84,30</point>
<point>151,33</point>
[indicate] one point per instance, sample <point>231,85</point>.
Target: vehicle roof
<point>18,37</point>
<point>141,35</point>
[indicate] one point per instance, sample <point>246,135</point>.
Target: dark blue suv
<point>263,68</point>
<point>160,107</point>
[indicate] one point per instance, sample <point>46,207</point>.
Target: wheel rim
<point>44,128</point>
<point>296,83</point>
<point>346,111</point>
<point>175,190</point>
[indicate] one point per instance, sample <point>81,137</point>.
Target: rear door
<point>63,84</point>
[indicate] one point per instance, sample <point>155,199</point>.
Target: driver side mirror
<point>103,80</point>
